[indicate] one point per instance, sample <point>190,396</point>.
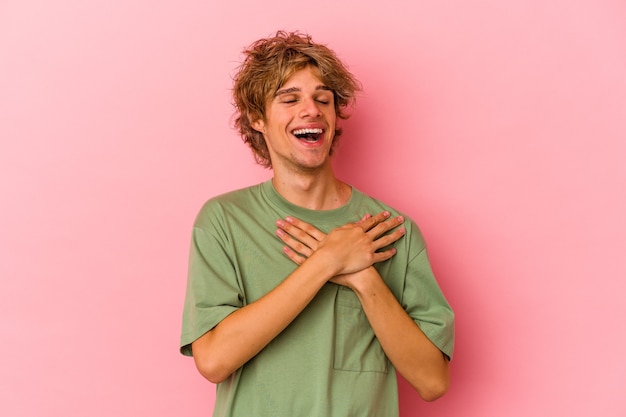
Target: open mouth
<point>308,135</point>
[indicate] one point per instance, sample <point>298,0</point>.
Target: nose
<point>310,109</point>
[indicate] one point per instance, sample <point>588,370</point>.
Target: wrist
<point>328,267</point>
<point>362,282</point>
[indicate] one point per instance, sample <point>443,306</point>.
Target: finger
<point>297,233</point>
<point>389,238</point>
<point>295,257</point>
<point>362,219</point>
<point>384,255</point>
<point>372,221</point>
<point>385,226</point>
<point>294,244</point>
<point>306,227</point>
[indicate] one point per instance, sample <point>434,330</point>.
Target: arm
<point>245,332</point>
<point>417,359</point>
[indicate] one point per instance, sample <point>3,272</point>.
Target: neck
<point>322,191</point>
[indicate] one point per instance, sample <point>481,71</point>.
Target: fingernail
<point>280,232</point>
<point>280,223</point>
<point>386,214</point>
<point>400,219</point>
<point>289,219</point>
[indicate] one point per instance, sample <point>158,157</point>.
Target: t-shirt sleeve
<point>213,291</point>
<point>425,303</point>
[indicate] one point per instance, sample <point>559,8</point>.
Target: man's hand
<point>350,248</point>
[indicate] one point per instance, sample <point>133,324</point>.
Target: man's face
<point>299,125</point>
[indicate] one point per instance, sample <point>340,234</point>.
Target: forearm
<point>245,332</point>
<point>417,359</point>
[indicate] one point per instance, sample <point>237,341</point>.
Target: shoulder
<point>218,207</point>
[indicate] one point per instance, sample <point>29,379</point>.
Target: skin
<point>303,175</point>
<point>303,172</point>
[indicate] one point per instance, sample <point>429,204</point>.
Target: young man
<point>305,295</point>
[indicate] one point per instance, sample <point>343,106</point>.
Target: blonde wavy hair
<point>268,64</point>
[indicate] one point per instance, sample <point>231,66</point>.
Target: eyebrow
<point>291,90</point>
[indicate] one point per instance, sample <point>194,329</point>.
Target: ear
<point>258,125</point>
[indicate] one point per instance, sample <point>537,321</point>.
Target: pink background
<point>499,126</point>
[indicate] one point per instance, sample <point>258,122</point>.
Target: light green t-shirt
<point>327,362</point>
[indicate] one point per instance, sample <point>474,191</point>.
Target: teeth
<point>305,131</point>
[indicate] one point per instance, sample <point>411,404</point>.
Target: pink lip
<point>306,144</point>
